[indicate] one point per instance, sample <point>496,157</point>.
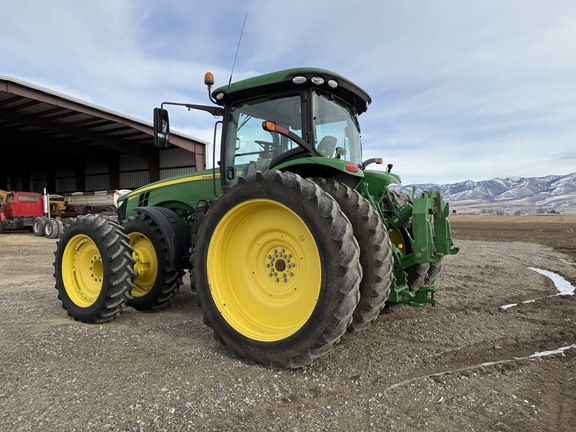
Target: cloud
<point>460,89</point>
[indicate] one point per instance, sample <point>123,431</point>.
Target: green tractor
<point>291,243</point>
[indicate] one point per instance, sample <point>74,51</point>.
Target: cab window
<point>336,130</point>
<point>249,147</point>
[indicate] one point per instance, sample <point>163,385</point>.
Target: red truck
<point>27,210</point>
<point>20,209</point>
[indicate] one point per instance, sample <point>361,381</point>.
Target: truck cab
<point>19,210</point>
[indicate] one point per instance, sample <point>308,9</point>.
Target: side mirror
<point>161,128</point>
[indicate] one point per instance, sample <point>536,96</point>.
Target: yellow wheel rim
<point>82,270</point>
<point>146,266</point>
<point>264,270</point>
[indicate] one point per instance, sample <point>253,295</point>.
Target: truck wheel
<point>93,269</point>
<point>277,269</point>
<point>38,226</point>
<point>156,281</point>
<point>60,227</point>
<point>51,228</point>
<point>375,253</point>
<point>2,228</point>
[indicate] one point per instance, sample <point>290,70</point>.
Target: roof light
<point>219,96</point>
<point>332,83</point>
<point>351,167</point>
<point>299,79</point>
<point>317,80</point>
<point>209,79</point>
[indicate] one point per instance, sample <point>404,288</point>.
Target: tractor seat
<point>327,146</point>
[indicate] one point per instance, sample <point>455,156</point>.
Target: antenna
<point>237,48</point>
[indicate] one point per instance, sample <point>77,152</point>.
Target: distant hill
<point>534,195</point>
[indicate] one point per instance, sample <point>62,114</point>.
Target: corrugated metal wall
<point>176,161</point>
<point>37,180</point>
<point>65,180</point>
<point>133,173</point>
<point>97,176</point>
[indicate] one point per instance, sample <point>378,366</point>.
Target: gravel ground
<point>465,365</point>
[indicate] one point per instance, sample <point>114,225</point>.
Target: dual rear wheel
<point>101,267</point>
<point>291,266</point>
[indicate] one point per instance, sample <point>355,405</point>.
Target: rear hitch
<point>422,297</point>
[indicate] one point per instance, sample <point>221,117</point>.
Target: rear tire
<point>51,229</point>
<point>156,281</point>
<point>277,270</point>
<point>38,226</point>
<point>93,269</point>
<point>375,253</point>
<point>60,227</point>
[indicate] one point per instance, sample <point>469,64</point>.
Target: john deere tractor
<point>291,243</point>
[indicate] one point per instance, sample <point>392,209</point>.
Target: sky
<point>461,90</point>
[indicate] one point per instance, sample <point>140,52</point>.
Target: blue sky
<point>461,89</point>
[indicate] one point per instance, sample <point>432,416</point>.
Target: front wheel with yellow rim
<point>93,269</point>
<point>277,269</point>
<point>157,281</point>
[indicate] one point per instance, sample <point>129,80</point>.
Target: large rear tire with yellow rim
<point>93,269</point>
<point>277,269</point>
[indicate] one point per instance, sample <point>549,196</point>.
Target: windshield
<point>249,147</point>
<point>336,129</point>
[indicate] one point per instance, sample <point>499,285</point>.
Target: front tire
<point>93,269</point>
<point>156,281</point>
<point>277,270</point>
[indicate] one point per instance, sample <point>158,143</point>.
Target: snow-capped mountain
<point>550,194</point>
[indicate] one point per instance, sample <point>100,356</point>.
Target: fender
<point>336,169</point>
<point>174,230</point>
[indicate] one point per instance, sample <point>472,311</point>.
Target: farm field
<point>557,232</point>
<point>498,352</point>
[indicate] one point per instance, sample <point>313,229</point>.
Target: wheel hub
<point>96,268</point>
<point>280,265</point>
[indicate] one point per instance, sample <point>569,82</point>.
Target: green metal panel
<point>180,193</point>
<point>317,162</point>
<point>377,181</point>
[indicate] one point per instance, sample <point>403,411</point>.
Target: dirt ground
<point>465,365</point>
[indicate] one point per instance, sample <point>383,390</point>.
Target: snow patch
<point>562,285</point>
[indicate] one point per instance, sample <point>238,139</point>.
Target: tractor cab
<point>292,118</point>
<point>286,116</point>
